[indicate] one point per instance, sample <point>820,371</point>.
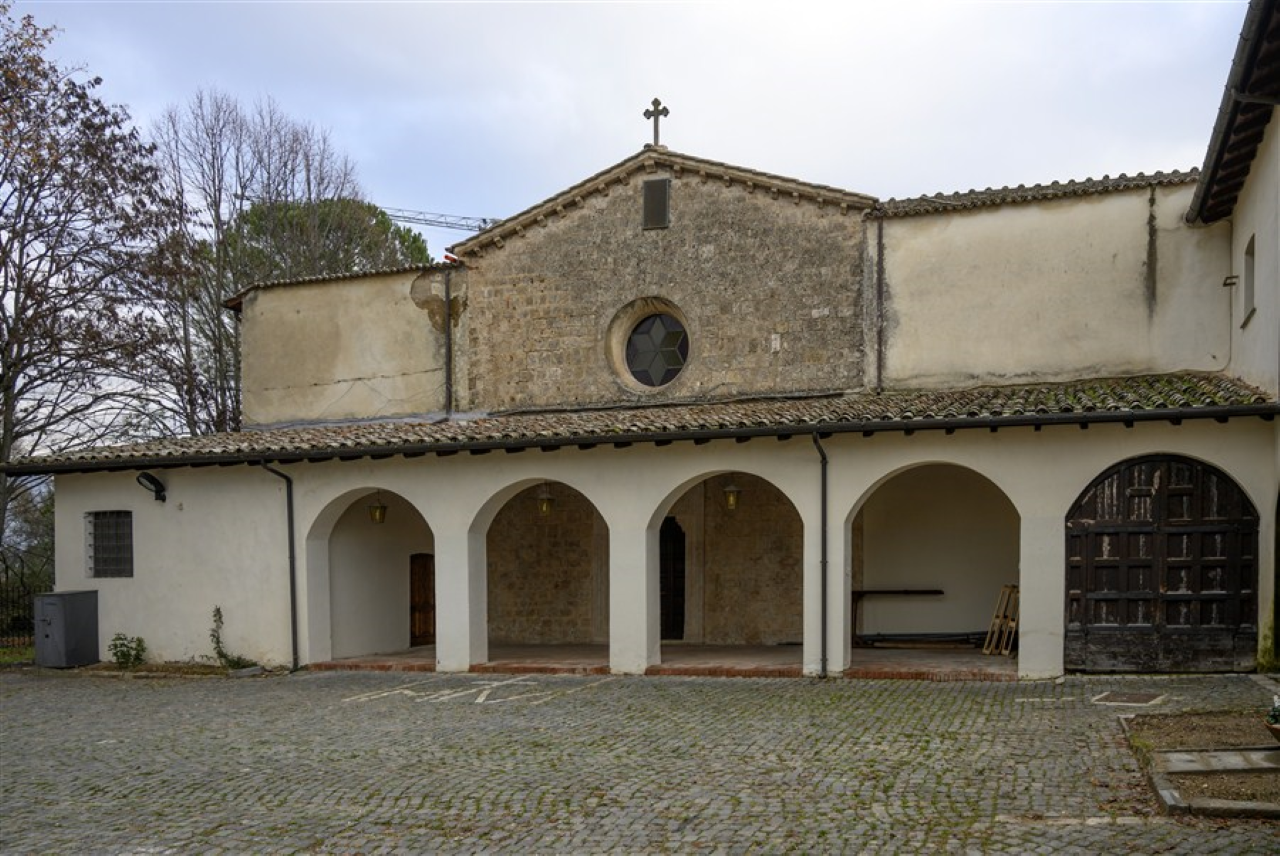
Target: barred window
<point>109,547</point>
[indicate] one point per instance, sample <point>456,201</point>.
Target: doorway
<point>422,599</point>
<point>671,579</point>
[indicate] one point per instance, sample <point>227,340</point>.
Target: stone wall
<point>769,289</point>
<point>752,576</point>
<point>548,575</point>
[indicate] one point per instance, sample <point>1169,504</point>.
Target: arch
<point>358,574</point>
<point>995,480</point>
<point>743,567</point>
<point>546,571</point>
<point>1162,569</point>
<point>929,548</point>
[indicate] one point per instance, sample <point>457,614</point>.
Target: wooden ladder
<point>1003,632</point>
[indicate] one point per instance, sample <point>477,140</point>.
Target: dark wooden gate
<point>671,578</point>
<point>1162,570</point>
<point>422,599</point>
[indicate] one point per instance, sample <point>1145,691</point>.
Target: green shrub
<point>128,652</point>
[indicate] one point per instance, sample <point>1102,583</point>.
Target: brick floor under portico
<point>926,663</point>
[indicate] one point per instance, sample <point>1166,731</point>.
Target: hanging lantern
<point>545,500</point>
<point>731,494</point>
<point>377,510</point>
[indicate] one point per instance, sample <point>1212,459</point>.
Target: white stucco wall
<point>352,348</point>
<point>220,539</point>
<point>1255,352</point>
<point>1081,287</point>
<point>369,576</point>
<point>937,527</point>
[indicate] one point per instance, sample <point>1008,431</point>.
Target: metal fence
<point>17,614</point>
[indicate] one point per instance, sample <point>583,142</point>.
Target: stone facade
<point>770,290</point>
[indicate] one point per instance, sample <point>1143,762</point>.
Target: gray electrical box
<point>67,629</point>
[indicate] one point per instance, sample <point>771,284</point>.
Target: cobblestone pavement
<point>376,763</point>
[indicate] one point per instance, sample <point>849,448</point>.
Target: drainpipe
<point>448,345</point>
<point>879,387</point>
<point>817,444</point>
<point>293,561</point>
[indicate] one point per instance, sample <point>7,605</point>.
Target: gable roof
<point>1149,398</point>
<point>1248,102</point>
<point>650,159</point>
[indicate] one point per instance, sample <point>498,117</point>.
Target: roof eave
<point>1228,110</point>
<point>1221,413</point>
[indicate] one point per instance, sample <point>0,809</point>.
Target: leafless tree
<point>82,216</point>
<point>263,194</point>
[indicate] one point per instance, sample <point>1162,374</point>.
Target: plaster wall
<point>937,527</point>
<point>343,349</point>
<point>369,576</point>
<point>1094,286</point>
<point>1255,354</point>
<point>219,540</point>
<point>769,291</point>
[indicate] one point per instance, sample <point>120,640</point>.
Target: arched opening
<point>932,549</point>
<point>548,570</point>
<point>1162,570</point>
<point>376,576</point>
<point>740,577</point>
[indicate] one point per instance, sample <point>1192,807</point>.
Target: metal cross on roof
<point>656,114</point>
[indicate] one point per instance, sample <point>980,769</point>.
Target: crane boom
<point>441,221</point>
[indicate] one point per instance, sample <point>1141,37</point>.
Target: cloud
<point>487,108</point>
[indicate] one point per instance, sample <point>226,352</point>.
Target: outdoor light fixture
<point>545,500</point>
<point>731,494</point>
<point>377,510</point>
<point>152,484</point>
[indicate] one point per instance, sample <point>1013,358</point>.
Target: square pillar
<point>1042,585</point>
<point>462,604</point>
<point>634,626</point>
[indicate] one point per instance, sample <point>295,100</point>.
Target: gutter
<point>448,345</point>
<point>293,562</point>
<point>1220,413</point>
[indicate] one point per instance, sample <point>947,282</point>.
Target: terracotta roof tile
<point>237,299</point>
<point>1185,395</point>
<point>991,197</point>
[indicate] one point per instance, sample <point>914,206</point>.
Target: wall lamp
<point>152,484</point>
<point>377,510</point>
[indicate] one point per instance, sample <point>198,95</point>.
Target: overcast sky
<point>485,108</point>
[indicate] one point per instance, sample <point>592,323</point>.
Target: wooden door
<point>1162,570</point>
<point>422,599</point>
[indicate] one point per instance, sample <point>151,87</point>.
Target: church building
<point>686,404</point>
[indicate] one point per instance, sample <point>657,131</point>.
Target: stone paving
<point>361,762</point>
